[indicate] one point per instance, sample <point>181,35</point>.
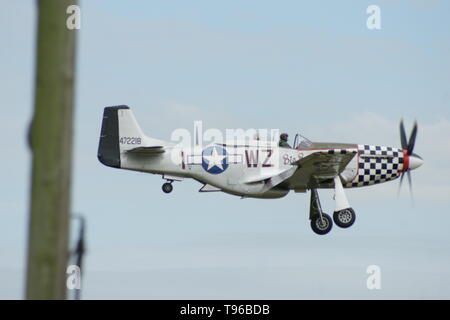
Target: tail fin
<point>120,132</point>
<point>128,126</point>
<point>108,147</point>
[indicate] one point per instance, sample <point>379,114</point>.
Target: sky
<point>300,66</point>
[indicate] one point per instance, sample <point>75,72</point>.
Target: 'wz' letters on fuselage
<point>252,158</point>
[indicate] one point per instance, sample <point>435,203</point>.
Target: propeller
<point>411,160</point>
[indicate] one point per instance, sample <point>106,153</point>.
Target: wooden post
<point>51,145</point>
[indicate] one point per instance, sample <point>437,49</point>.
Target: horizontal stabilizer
<point>147,150</point>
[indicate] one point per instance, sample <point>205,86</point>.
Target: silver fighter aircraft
<point>259,169</point>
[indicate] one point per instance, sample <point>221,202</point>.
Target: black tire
<point>320,226</point>
<point>167,187</point>
<point>344,218</point>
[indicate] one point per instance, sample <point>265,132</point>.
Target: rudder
<point>109,148</point>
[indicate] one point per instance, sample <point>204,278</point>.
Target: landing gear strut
<point>321,223</point>
<point>344,216</point>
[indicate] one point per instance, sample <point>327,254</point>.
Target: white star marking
<point>215,160</point>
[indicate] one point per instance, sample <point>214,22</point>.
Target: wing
<point>308,171</point>
<point>320,166</point>
<point>272,180</point>
<point>264,177</point>
<point>147,150</point>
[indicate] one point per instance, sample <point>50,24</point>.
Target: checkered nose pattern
<point>377,164</point>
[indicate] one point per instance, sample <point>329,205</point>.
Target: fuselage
<point>240,169</point>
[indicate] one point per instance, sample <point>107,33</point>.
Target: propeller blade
<point>400,184</point>
<point>403,136</point>
<point>410,185</point>
<point>412,139</point>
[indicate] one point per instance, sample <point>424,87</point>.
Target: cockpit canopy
<point>300,142</point>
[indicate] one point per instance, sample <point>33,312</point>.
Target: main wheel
<point>167,187</point>
<point>344,218</point>
<point>321,226</point>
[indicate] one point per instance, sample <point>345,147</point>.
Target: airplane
<point>260,169</point>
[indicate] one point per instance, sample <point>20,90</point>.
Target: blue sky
<point>309,66</point>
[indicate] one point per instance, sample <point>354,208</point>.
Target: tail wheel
<point>167,187</point>
<point>344,218</point>
<point>321,225</point>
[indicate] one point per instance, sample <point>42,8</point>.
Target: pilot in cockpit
<point>284,141</point>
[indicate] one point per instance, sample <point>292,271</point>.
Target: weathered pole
<point>51,145</point>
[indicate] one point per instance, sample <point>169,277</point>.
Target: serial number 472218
<point>130,140</point>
